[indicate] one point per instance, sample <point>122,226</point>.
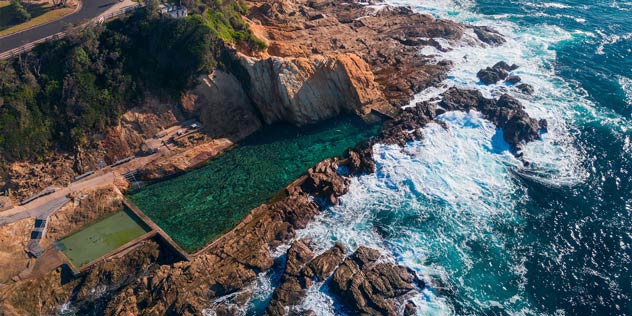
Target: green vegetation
<point>19,11</point>
<point>63,92</point>
<point>225,21</point>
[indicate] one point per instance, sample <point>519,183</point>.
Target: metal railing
<point>29,46</point>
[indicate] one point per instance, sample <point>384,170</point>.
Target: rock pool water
<point>198,206</point>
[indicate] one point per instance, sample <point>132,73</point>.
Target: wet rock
<point>410,309</point>
<point>360,159</point>
<point>544,125</point>
<point>506,113</point>
<point>323,181</point>
<point>525,88</point>
<point>299,253</point>
<point>369,285</point>
<point>500,71</point>
<point>325,264</point>
<point>310,312</point>
<point>299,272</point>
<point>407,126</point>
<point>513,79</point>
<point>488,35</point>
<point>505,66</point>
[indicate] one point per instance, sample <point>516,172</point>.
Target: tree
<point>152,7</point>
<point>19,11</point>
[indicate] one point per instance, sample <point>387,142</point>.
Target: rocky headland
<point>323,58</point>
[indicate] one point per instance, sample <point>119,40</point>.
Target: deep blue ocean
<point>490,236</point>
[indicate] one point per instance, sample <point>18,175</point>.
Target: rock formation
<point>365,282</point>
<point>500,71</point>
<point>372,286</point>
<point>307,90</point>
<point>326,57</point>
<point>506,113</point>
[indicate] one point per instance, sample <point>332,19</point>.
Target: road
<point>50,203</point>
<point>89,10</point>
<point>44,206</point>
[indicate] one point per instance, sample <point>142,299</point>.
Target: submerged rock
<point>513,79</point>
<point>525,88</point>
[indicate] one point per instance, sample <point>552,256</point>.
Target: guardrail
<point>81,176</point>
<point>29,46</point>
<point>37,196</point>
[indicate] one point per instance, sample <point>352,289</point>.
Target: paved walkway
<point>90,9</point>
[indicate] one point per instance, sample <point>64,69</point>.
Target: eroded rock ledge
<point>328,57</point>
<point>366,282</point>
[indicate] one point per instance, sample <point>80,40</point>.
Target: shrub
<point>19,11</point>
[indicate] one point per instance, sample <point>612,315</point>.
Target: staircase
<point>131,178</point>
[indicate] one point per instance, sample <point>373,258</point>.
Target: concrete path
<point>90,9</point>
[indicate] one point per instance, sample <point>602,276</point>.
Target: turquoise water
<point>490,236</point>
<point>198,206</point>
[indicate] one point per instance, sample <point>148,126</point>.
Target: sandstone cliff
<point>306,90</point>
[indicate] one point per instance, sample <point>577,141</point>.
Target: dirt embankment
<point>13,241</point>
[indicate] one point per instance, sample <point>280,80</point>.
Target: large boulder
<point>370,285</point>
<point>488,35</point>
<point>500,71</point>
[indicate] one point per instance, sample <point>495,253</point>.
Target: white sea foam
<point>626,86</point>
<point>610,40</point>
<point>455,185</point>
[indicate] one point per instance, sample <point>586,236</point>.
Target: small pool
<point>102,237</point>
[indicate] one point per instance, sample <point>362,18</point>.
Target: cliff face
<point>387,39</point>
<point>306,90</point>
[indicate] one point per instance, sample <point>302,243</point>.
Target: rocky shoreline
<point>324,58</point>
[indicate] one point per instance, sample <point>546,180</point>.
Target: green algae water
<point>100,238</point>
<point>200,205</point>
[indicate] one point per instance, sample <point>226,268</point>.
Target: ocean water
<point>490,236</point>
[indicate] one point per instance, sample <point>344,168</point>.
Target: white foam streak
<point>626,86</point>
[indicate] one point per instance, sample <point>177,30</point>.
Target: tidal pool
<point>101,237</point>
<point>198,206</point>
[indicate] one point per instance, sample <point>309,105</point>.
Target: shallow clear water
<point>196,207</point>
<point>101,237</point>
<point>550,239</point>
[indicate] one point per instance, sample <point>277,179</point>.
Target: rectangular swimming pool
<point>102,237</point>
<point>198,206</point>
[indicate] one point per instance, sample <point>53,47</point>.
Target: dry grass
<point>48,16</point>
